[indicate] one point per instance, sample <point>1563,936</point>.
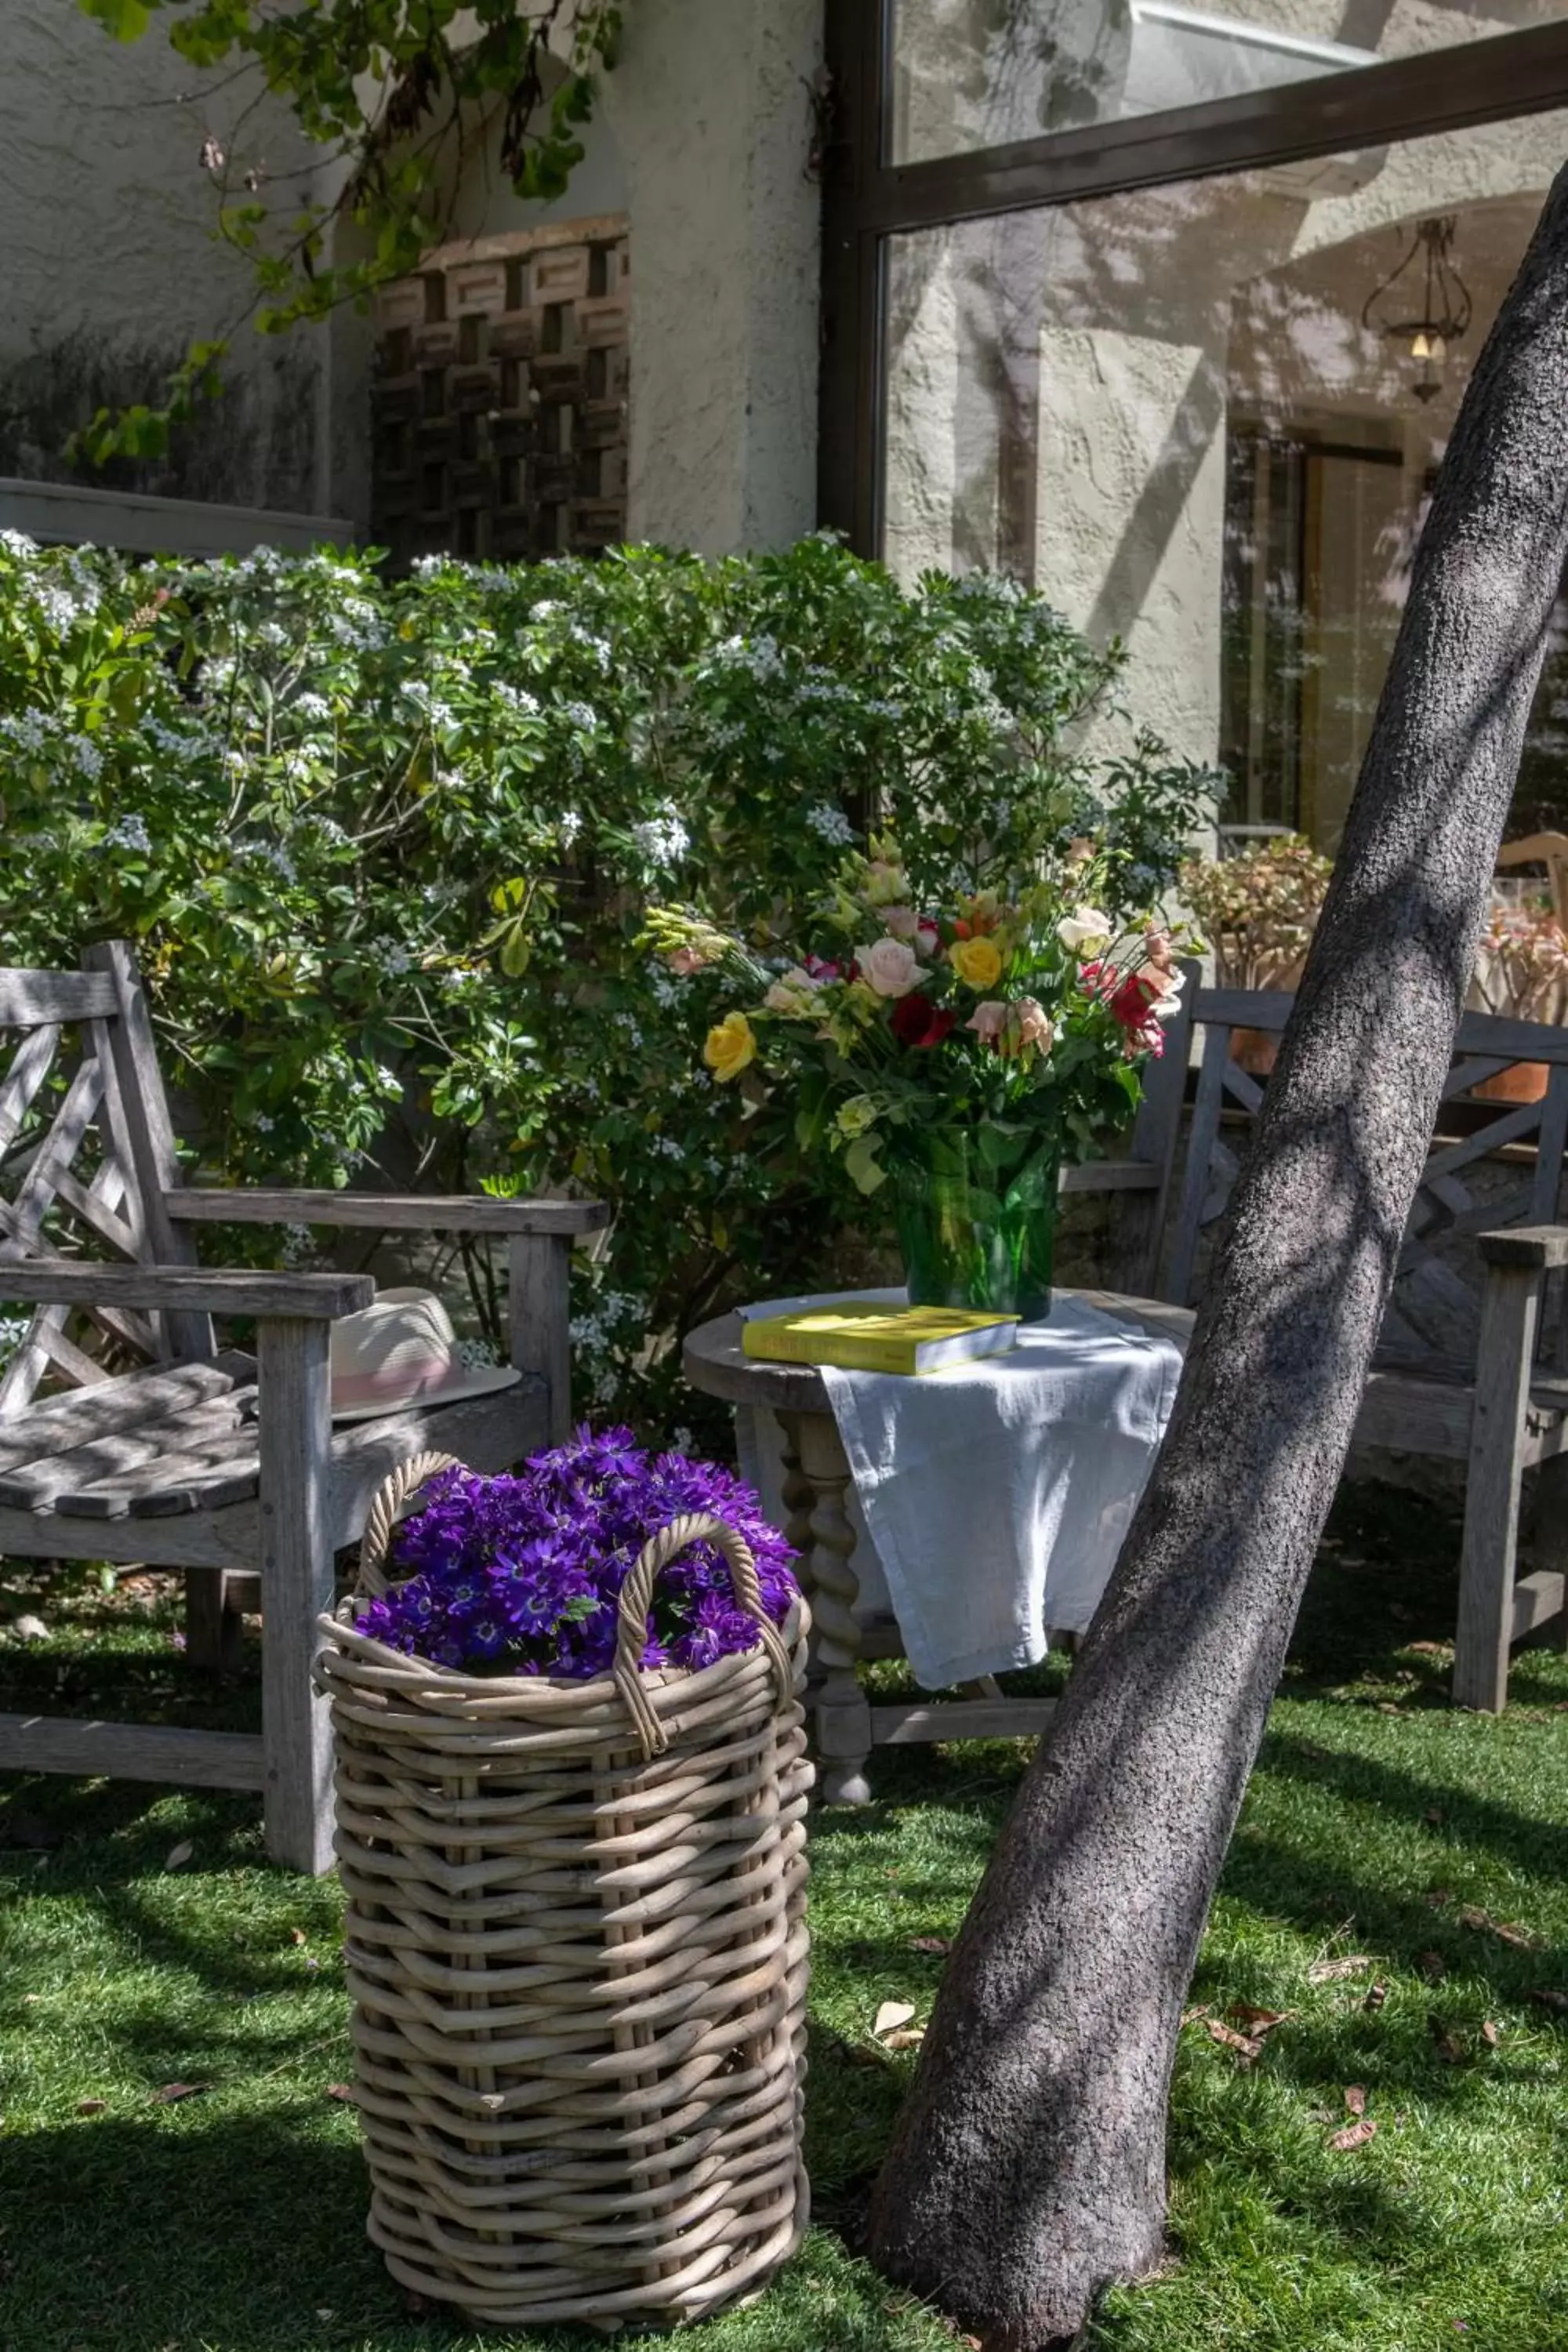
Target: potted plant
<point>961,1052</point>
<point>1521,969</point>
<point>571,1792</point>
<point>1260,911</point>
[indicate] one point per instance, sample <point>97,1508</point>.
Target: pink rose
<point>684,961</point>
<point>1158,948</point>
<point>988,1021</point>
<point>1035,1025</point>
<point>889,966</point>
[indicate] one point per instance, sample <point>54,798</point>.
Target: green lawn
<point>1380,1824</point>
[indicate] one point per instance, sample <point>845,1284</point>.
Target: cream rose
<point>1085,926</point>
<point>889,966</point>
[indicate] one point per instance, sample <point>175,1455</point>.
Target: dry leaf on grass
<point>178,1856</point>
<point>1331,1971</point>
<point>1257,2021</point>
<point>1507,1931</point>
<point>298,1936</point>
<point>1375,1996</point>
<point>929,1943</point>
<point>341,2091</point>
<point>1355,2135</point>
<point>1191,2016</point>
<point>173,2090</point>
<point>1355,2099</point>
<point>1429,1649</point>
<point>1491,2034</point>
<point>91,2107</point>
<point>1244,2045</point>
<point>907,2037</point>
<point>891,2014</point>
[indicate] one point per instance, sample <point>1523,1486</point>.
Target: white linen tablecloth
<point>996,1494</point>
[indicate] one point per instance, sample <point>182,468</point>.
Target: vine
<point>394,92</point>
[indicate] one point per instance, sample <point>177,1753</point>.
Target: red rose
<point>917,1022</point>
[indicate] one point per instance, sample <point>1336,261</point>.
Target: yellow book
<point>867,1337</point>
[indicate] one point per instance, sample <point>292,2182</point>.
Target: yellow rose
<point>978,961</point>
<point>729,1047</point>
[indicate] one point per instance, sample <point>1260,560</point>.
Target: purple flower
<point>521,1575</point>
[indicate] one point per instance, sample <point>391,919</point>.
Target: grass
<point>1380,1823</point>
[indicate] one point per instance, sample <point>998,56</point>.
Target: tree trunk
<point>1027,2171</point>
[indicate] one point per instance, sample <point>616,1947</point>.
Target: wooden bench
<point>1472,1364</point>
<point>164,1449</point>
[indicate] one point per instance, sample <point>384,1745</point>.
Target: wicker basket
<point>576,1950</point>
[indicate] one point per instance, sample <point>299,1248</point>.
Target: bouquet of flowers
<point>1004,1009</point>
<point>521,1576</point>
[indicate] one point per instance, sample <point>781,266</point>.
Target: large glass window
<point>1205,418</point>
<point>971,74</point>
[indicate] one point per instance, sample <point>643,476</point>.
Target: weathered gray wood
<point>1200,1145</point>
<point>137,1113</point>
<point>539,1312</point>
<point>70,1478</point>
<point>1489,1547</point>
<point>182,1476</point>
<point>68,1281</point>
<point>29,998</point>
<point>1156,1137</point>
<point>21,1221</point>
<point>1537,1599</point>
<point>296,1585</point>
<point>1494,1035</point>
<point>131,1752</point>
<point>197,1540</point>
<point>434,1213</point>
<point>1109,1176</point>
<point>490,1432</point>
<point>30,1065</point>
<point>1539,1247</point>
<point>56,1423</point>
<point>969,1719</point>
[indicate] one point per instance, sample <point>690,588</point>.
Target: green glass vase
<point>976,1215</point>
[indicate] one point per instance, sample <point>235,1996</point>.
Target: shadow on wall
<point>255,447</point>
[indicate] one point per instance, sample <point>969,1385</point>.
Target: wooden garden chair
<point>161,1447</point>
<point>1472,1361</point>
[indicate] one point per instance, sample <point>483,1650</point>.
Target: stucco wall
<point>110,270</point>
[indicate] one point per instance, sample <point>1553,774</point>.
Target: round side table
<point>817,1479</point>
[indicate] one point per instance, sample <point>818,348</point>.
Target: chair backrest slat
<point>1471,1180</point>
<point>87,1154</point>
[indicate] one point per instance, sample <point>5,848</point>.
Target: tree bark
<point>1028,2170</point>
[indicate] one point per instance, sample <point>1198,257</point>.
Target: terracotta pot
<point>1523,1082</point>
<point>1256,1050</point>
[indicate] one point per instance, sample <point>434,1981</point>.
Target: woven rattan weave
<point>576,1950</point>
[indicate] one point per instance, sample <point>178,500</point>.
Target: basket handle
<point>382,1518</point>
<point>637,1598</point>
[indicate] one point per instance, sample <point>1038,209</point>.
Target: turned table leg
<point>815,1477</point>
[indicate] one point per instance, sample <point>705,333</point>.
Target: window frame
<point>867,200</point>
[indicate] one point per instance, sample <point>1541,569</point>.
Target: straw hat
<point>403,1351</point>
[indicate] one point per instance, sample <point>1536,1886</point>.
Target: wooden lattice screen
<point>501,397</point>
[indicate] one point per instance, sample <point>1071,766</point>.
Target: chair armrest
<point>427,1212</point>
<point>1537,1248</point>
<point>1112,1176</point>
<point>82,1282</point>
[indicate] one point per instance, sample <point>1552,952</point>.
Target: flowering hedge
<point>386,848</point>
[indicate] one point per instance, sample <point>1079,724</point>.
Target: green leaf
<point>127,20</point>
<point>861,1164</point>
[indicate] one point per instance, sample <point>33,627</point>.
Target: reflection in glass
<point>1180,412</point>
<point>968,74</point>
